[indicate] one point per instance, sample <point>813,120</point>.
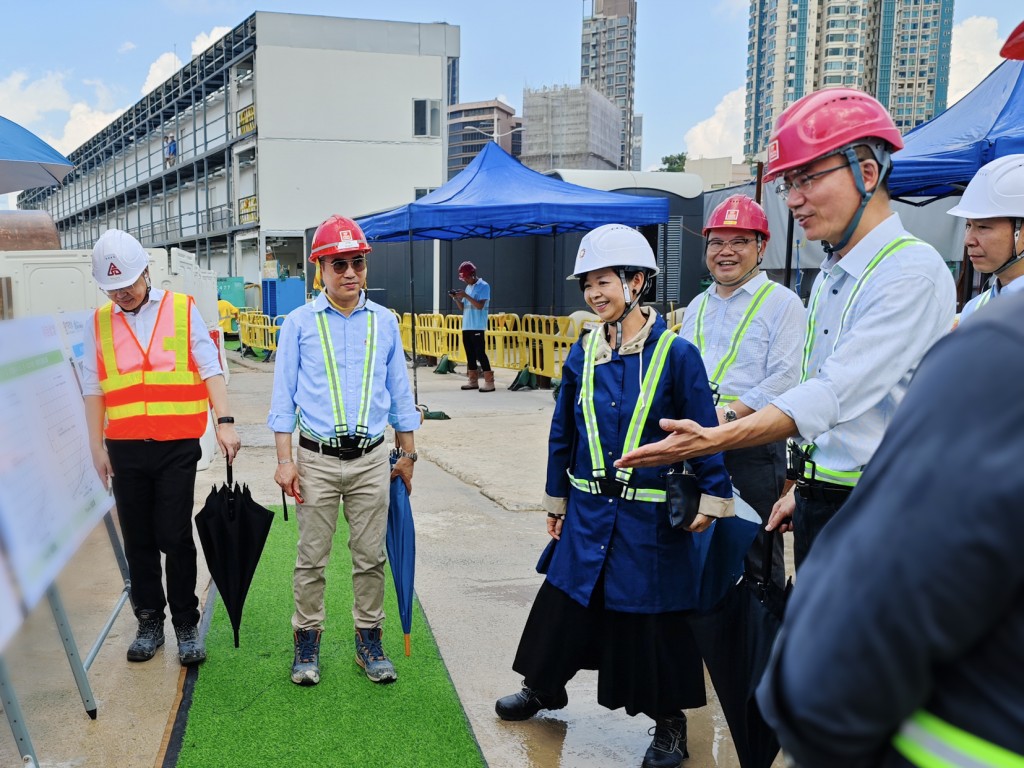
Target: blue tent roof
<point>497,196</point>
<point>942,155</point>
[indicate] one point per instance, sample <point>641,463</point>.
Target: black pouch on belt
<point>682,495</point>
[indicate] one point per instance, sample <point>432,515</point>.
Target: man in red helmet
<point>341,375</point>
<point>474,300</point>
<point>750,333</point>
<point>881,300</point>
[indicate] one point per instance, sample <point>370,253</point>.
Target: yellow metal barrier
<point>505,347</point>
<point>547,340</point>
<point>257,331</point>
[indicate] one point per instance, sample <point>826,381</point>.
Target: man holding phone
<point>474,299</point>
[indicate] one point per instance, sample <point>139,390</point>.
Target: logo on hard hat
<point>345,234</point>
<point>732,216</point>
<point>581,254</point>
<point>773,151</point>
<point>113,271</point>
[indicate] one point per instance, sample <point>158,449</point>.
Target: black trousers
<point>759,474</point>
<point>154,486</point>
<point>809,519</point>
<point>476,350</point>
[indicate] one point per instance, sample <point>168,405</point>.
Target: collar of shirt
<point>631,347</point>
<point>321,303</point>
<point>750,286</point>
<point>856,261</point>
<point>155,295</point>
<point>1014,286</point>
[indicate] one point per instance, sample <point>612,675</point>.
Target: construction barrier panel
<point>547,340</point>
<point>257,331</point>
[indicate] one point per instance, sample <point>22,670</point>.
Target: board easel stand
<point>79,668</point>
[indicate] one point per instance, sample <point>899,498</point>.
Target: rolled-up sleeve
<point>402,415</point>
<point>204,351</point>
<point>286,378</point>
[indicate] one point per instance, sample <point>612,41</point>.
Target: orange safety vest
<point>155,393</point>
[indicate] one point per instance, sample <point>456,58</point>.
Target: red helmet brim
<point>1013,48</point>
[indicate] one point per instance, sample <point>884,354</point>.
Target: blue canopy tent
<point>497,196</point>
<point>942,155</point>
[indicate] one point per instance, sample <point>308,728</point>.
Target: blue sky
<point>68,68</point>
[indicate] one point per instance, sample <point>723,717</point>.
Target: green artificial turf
<point>246,711</point>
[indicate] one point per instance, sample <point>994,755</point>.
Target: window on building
<point>426,117</point>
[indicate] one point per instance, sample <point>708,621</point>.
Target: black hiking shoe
<point>148,638</point>
<point>190,646</point>
<point>528,702</point>
<point>668,748</point>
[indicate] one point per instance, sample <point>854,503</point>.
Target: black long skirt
<point>646,662</point>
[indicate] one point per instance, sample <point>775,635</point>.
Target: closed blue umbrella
<point>401,546</point>
<point>26,161</point>
<point>722,549</point>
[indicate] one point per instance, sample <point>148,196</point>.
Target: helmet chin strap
<point>1015,257</point>
<point>865,196</point>
<point>631,304</point>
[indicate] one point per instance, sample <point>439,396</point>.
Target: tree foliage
<point>673,163</point>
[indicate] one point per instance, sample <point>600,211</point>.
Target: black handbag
<point>682,495</point>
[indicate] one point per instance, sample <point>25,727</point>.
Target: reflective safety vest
<point>341,427</point>
<point>155,393</point>
<point>820,472</point>
<point>930,742</point>
<point>738,335</point>
<point>641,409</point>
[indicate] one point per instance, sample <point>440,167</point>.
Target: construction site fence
<point>258,331</point>
<point>539,343</point>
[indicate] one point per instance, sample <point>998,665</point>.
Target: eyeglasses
<point>340,266</point>
<point>128,289</point>
<point>802,182</point>
<point>735,245</point>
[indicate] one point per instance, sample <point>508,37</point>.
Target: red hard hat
<point>824,122</point>
<point>738,212</point>
<point>1013,48</point>
<point>338,235</point>
<point>467,268</point>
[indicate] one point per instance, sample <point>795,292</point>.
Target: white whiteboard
<point>50,494</point>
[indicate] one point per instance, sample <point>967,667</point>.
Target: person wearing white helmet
<point>150,374</point>
<point>993,207</point>
<point>613,598</point>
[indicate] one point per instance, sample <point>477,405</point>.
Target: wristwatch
<point>729,413</point>
<point>406,455</point>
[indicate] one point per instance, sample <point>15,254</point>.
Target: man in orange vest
<point>150,374</point>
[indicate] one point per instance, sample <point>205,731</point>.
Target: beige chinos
<point>362,486</point>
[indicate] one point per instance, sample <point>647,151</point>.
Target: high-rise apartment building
<point>897,50</point>
<point>472,124</point>
<point>608,63</point>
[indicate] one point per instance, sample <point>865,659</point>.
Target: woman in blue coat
<point>619,582</point>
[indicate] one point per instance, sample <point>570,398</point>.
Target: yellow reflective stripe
<point>171,377</point>
<point>648,386</point>
<point>170,408</point>
<point>985,298</point>
<point>809,341</point>
<point>126,411</point>
<point>630,494</point>
<point>180,342</point>
<point>587,402</point>
<point>741,331</point>
<point>331,367</point>
<point>930,742</point>
<point>839,477</point>
<point>698,327</point>
<point>728,398</point>
<point>121,380</point>
<point>363,427</point>
<point>106,330</point>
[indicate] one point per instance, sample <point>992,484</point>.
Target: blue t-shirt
<point>476,319</point>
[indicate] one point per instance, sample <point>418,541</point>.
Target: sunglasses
<point>340,266</point>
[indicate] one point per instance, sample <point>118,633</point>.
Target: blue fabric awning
<point>497,196</point>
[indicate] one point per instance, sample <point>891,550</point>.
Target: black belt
<point>345,453</point>
<point>819,490</point>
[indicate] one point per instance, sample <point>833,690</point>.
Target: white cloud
<point>161,69</point>
<point>974,53</point>
<point>126,46</point>
<point>721,134</point>
<point>84,122</point>
<point>27,101</point>
<point>204,40</point>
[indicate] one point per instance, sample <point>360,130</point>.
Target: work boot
<point>488,385</point>
<point>528,702</point>
<point>371,657</point>
<point>668,748</point>
<point>148,638</point>
<point>306,667</point>
<point>474,377</point>
<point>190,646</point>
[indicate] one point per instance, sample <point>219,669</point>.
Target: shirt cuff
<point>716,506</point>
<point>813,406</point>
<point>755,399</point>
<point>281,422</point>
<point>554,504</point>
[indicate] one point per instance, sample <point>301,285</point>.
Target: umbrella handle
<point>231,479</point>
<point>284,504</point>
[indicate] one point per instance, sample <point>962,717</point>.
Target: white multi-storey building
<point>277,125</point>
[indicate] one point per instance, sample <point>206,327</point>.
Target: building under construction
<point>277,125</point>
<point>567,127</point>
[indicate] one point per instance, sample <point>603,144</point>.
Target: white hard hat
<point>997,190</point>
<point>614,245</point>
<point>117,260</point>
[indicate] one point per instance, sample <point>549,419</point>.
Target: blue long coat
<point>647,565</point>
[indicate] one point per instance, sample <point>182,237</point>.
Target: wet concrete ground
<point>480,530</point>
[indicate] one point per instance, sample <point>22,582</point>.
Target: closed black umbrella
<point>735,639</point>
<point>233,530</point>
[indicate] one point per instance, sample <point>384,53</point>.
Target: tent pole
<point>412,310</point>
<point>554,266</point>
<point>789,251</point>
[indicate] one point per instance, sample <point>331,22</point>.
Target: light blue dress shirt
<point>474,319</point>
<point>768,360</point>
<point>994,291</point>
<point>903,308</point>
<point>301,389</point>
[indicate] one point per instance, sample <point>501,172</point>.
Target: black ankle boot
<point>528,702</point>
<point>668,748</point>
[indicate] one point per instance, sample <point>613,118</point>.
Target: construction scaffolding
<point>570,127</point>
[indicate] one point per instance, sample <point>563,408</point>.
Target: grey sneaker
<point>148,638</point>
<point>190,646</point>
<point>306,667</point>
<point>371,657</point>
